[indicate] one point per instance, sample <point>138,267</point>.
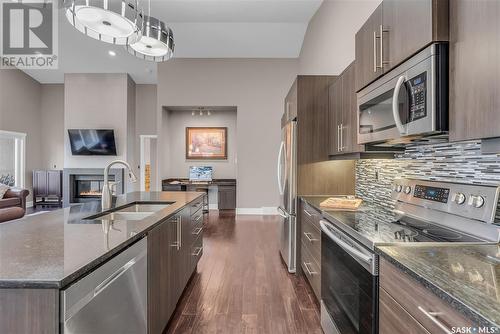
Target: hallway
<point>242,286</point>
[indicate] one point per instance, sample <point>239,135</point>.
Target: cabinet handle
<point>341,137</point>
<point>374,51</point>
<point>307,213</point>
<point>433,317</point>
<point>308,236</point>
<point>309,270</point>
<point>338,138</point>
<point>198,251</point>
<point>198,230</point>
<point>382,62</point>
<point>177,243</point>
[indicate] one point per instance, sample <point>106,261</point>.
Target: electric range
<point>425,212</point>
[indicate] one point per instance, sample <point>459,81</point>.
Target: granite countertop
<point>52,250</point>
<point>468,277</point>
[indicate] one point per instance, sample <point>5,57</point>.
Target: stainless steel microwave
<point>409,103</point>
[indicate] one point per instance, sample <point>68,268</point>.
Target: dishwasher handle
<point>104,284</point>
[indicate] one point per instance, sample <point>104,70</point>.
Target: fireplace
<point>89,186</point>
<point>81,185</point>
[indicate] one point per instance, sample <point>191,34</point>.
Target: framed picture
<point>206,143</point>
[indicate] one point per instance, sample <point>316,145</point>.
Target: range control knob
<point>399,188</point>
<point>476,201</point>
<point>459,198</point>
<point>407,189</point>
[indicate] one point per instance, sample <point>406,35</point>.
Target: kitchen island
<point>44,254</point>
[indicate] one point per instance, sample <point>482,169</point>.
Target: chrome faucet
<point>107,195</point>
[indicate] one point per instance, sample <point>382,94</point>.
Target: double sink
<point>133,211</point>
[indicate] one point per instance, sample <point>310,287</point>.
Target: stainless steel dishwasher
<point>111,299</point>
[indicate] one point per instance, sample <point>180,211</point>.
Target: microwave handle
<point>395,107</point>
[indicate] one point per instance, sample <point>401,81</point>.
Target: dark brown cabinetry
<point>474,69</point>
<point>409,307</point>
<point>308,99</point>
<point>47,187</point>
<point>310,246</point>
<point>396,31</point>
<point>368,50</point>
<point>342,114</point>
<point>174,249</point>
<point>227,197</point>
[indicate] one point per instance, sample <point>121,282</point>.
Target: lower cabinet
<point>310,247</point>
<point>406,306</point>
<point>227,197</point>
<point>172,258</point>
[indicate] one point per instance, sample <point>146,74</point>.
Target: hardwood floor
<point>242,285</point>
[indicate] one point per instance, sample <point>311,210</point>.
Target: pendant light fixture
<point>157,41</point>
<point>117,22</point>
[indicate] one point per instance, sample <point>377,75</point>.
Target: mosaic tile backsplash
<point>455,162</point>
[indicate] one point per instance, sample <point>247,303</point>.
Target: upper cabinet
<point>368,50</point>
<point>308,100</point>
<point>342,114</point>
<point>396,31</point>
<point>474,69</point>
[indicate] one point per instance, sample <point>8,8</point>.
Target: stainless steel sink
<point>134,211</point>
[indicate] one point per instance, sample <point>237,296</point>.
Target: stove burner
<point>415,223</point>
<point>443,234</point>
<point>405,235</point>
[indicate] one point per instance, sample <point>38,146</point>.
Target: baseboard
<point>265,210</point>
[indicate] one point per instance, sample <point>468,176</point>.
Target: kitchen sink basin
<point>134,211</point>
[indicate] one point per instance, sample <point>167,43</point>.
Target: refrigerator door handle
<point>280,156</point>
<point>282,212</point>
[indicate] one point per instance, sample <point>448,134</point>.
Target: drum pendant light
<point>117,22</point>
<point>156,43</point>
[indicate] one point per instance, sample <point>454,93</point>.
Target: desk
<point>225,190</point>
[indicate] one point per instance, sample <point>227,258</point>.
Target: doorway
<point>148,166</point>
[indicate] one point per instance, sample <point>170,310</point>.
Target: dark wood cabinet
<point>396,31</point>
<point>227,197</point>
<point>411,25</point>
<point>174,249</point>
<point>474,69</point>
<point>47,187</point>
<point>342,114</point>
<point>368,50</point>
<point>308,98</point>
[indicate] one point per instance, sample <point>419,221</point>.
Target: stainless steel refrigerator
<point>287,185</point>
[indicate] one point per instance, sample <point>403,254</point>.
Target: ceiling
<point>202,29</point>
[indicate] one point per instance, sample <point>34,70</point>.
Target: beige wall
<point>257,88</point>
<point>20,98</point>
<point>52,123</point>
<point>179,120</point>
<point>329,41</point>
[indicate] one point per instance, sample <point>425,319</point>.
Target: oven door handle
<point>348,248</point>
<point>395,107</point>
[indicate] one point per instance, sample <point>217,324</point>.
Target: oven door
<point>349,284</point>
<point>402,103</point>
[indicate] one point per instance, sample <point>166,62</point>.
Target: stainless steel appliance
<point>287,185</point>
<point>111,299</point>
<point>425,212</point>
<point>408,103</point>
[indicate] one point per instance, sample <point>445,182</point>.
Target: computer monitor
<point>200,173</point>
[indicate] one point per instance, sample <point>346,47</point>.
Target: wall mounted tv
<point>92,142</point>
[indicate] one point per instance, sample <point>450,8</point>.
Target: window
<point>12,158</point>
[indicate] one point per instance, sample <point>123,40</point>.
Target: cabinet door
<point>474,69</point>
<point>411,25</point>
<point>335,115</point>
<point>227,197</point>
<point>349,133</point>
<point>394,319</point>
<point>40,183</point>
<point>368,50</point>
<point>54,183</point>
<point>162,289</point>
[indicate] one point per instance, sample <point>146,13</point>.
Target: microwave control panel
<point>418,92</point>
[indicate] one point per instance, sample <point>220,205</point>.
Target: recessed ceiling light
<point>112,53</point>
